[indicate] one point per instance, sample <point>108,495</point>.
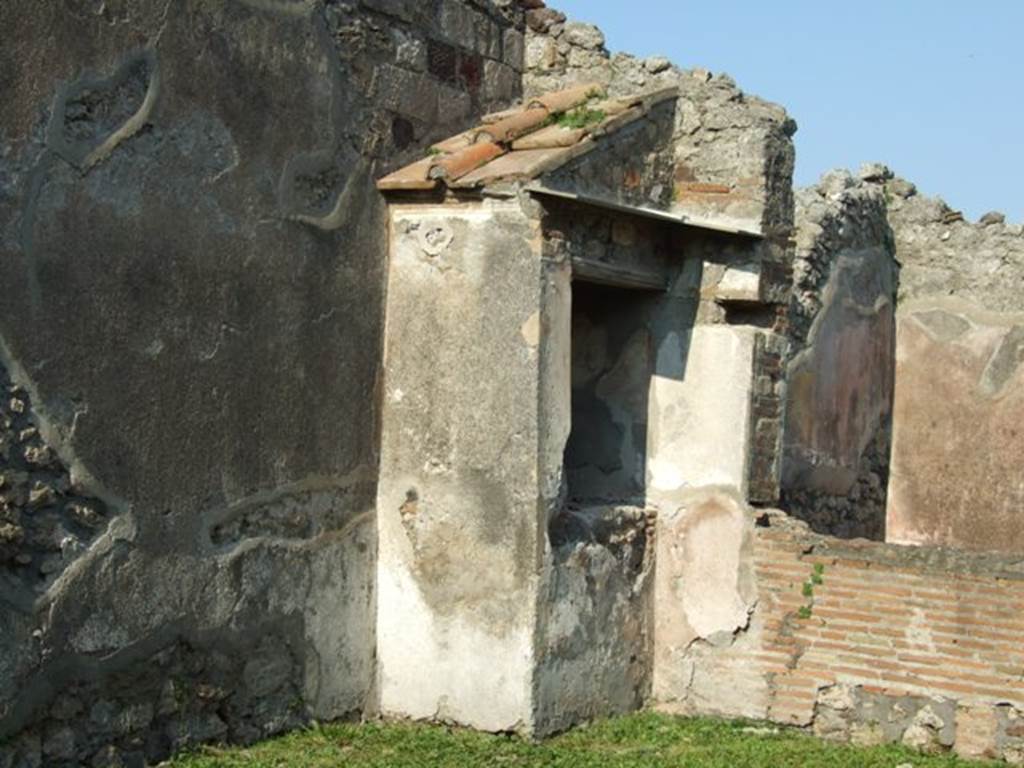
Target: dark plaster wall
<point>840,370</point>
<point>191,262</point>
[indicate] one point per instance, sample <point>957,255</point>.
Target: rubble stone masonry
<point>840,362</point>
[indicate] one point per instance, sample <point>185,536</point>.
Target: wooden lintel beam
<point>619,275</point>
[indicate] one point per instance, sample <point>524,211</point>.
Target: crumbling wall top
<point>733,152</point>
<point>943,254</point>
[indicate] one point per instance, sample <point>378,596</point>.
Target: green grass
<point>638,741</point>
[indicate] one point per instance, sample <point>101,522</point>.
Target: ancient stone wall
<point>862,641</point>
<point>959,392</point>
<point>839,369</point>
<point>594,631</point>
<point>733,164</point>
<point>615,331</point>
<point>460,479</point>
<point>191,255</point>
<point>943,254</point>
<point>734,157</point>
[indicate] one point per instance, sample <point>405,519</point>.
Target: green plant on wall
<point>816,578</point>
<point>818,573</point>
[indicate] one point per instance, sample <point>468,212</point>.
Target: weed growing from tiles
<point>581,117</point>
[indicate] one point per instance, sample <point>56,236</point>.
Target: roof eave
<point>679,219</point>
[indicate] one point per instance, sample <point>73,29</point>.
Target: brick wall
<point>878,642</point>
<point>766,418</point>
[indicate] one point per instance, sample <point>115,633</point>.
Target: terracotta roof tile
<point>514,126</point>
<point>563,101</point>
<point>527,141</point>
<point>493,117</point>
<point>415,176</point>
<point>614,106</point>
<point>456,142</point>
<point>458,164</point>
<point>515,165</point>
<point>614,122</point>
<point>550,137</point>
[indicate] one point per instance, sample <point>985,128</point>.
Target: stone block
<point>501,84</point>
<point>443,61</point>
<point>584,35</point>
<point>541,53</point>
<point>410,50</point>
<point>541,20</point>
<point>585,58</point>
<point>470,29</point>
<point>454,106</point>
<point>409,93</point>
<point>740,283</point>
<point>406,10</point>
<point>514,49</point>
<point>471,71</point>
<point>976,731</point>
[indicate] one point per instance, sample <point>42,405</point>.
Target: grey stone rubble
<point>46,518</point>
<point>944,254</point>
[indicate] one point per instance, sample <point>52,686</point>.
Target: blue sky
<point>933,89</point>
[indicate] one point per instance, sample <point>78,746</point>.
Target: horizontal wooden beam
<point>619,275</point>
<point>711,225</point>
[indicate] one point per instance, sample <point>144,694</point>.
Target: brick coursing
<point>890,624</point>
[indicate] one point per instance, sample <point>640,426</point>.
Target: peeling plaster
<point>705,585</point>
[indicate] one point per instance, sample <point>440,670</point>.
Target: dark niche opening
<point>612,364</point>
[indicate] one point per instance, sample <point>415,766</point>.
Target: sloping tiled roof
<point>523,143</point>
